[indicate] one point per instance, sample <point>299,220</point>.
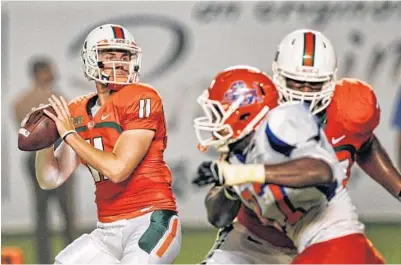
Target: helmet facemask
<point>317,100</point>
<point>214,129</point>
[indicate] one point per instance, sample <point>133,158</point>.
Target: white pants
<point>153,238</point>
<point>236,245</point>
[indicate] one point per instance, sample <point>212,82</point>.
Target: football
<point>39,131</point>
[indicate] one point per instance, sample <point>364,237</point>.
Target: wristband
<point>67,133</point>
<point>240,174</point>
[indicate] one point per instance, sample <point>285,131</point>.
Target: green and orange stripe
<point>308,58</point>
<point>118,32</point>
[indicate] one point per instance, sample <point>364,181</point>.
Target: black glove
<point>208,173</point>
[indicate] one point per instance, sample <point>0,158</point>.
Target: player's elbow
<point>215,217</point>
<point>118,173</point>
<point>220,219</point>
<point>213,213</point>
<point>220,211</point>
<point>48,179</point>
<point>118,177</point>
<point>45,182</point>
<point>46,186</point>
<point>216,221</point>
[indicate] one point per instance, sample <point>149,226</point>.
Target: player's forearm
<point>221,210</point>
<point>47,169</point>
<point>53,168</point>
<point>298,173</point>
<point>377,164</point>
<point>104,162</point>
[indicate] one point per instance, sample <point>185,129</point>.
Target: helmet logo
<point>307,69</point>
<point>239,88</point>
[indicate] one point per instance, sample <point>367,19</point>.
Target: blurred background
<point>184,45</point>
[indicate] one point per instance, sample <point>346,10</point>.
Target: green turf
<point>196,243</point>
<point>387,239</point>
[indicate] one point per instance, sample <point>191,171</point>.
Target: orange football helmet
<point>236,101</point>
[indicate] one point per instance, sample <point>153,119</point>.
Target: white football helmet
<point>110,36</point>
<point>306,56</point>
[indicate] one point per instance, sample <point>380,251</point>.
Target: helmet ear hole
<point>261,89</point>
<point>244,116</point>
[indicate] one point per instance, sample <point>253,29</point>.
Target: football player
<point>281,168</point>
<point>305,69</point>
<point>119,134</point>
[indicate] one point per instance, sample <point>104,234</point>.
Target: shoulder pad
<point>355,106</point>
<point>137,91</point>
<point>80,99</point>
<point>290,125</point>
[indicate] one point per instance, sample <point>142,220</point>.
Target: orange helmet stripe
<point>308,58</point>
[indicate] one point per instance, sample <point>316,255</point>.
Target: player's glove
<point>208,172</point>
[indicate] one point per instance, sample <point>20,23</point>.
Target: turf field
<point>196,243</point>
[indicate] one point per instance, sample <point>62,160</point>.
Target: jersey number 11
<point>97,142</point>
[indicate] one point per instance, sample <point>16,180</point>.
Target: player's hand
<point>28,115</point>
<point>63,119</point>
<point>204,175</point>
<point>209,172</point>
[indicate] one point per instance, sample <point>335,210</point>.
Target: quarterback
<point>119,134</point>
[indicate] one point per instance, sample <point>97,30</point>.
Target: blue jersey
<point>289,132</point>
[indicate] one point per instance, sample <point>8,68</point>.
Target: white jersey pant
<point>236,245</point>
<point>153,238</point>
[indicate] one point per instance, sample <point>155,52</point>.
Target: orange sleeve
<point>371,109</point>
<point>144,112</point>
<point>358,104</point>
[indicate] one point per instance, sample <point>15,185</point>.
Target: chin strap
<point>110,86</point>
<point>104,77</point>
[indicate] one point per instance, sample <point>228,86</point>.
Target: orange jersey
<point>135,106</point>
<point>348,123</point>
<point>350,119</point>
